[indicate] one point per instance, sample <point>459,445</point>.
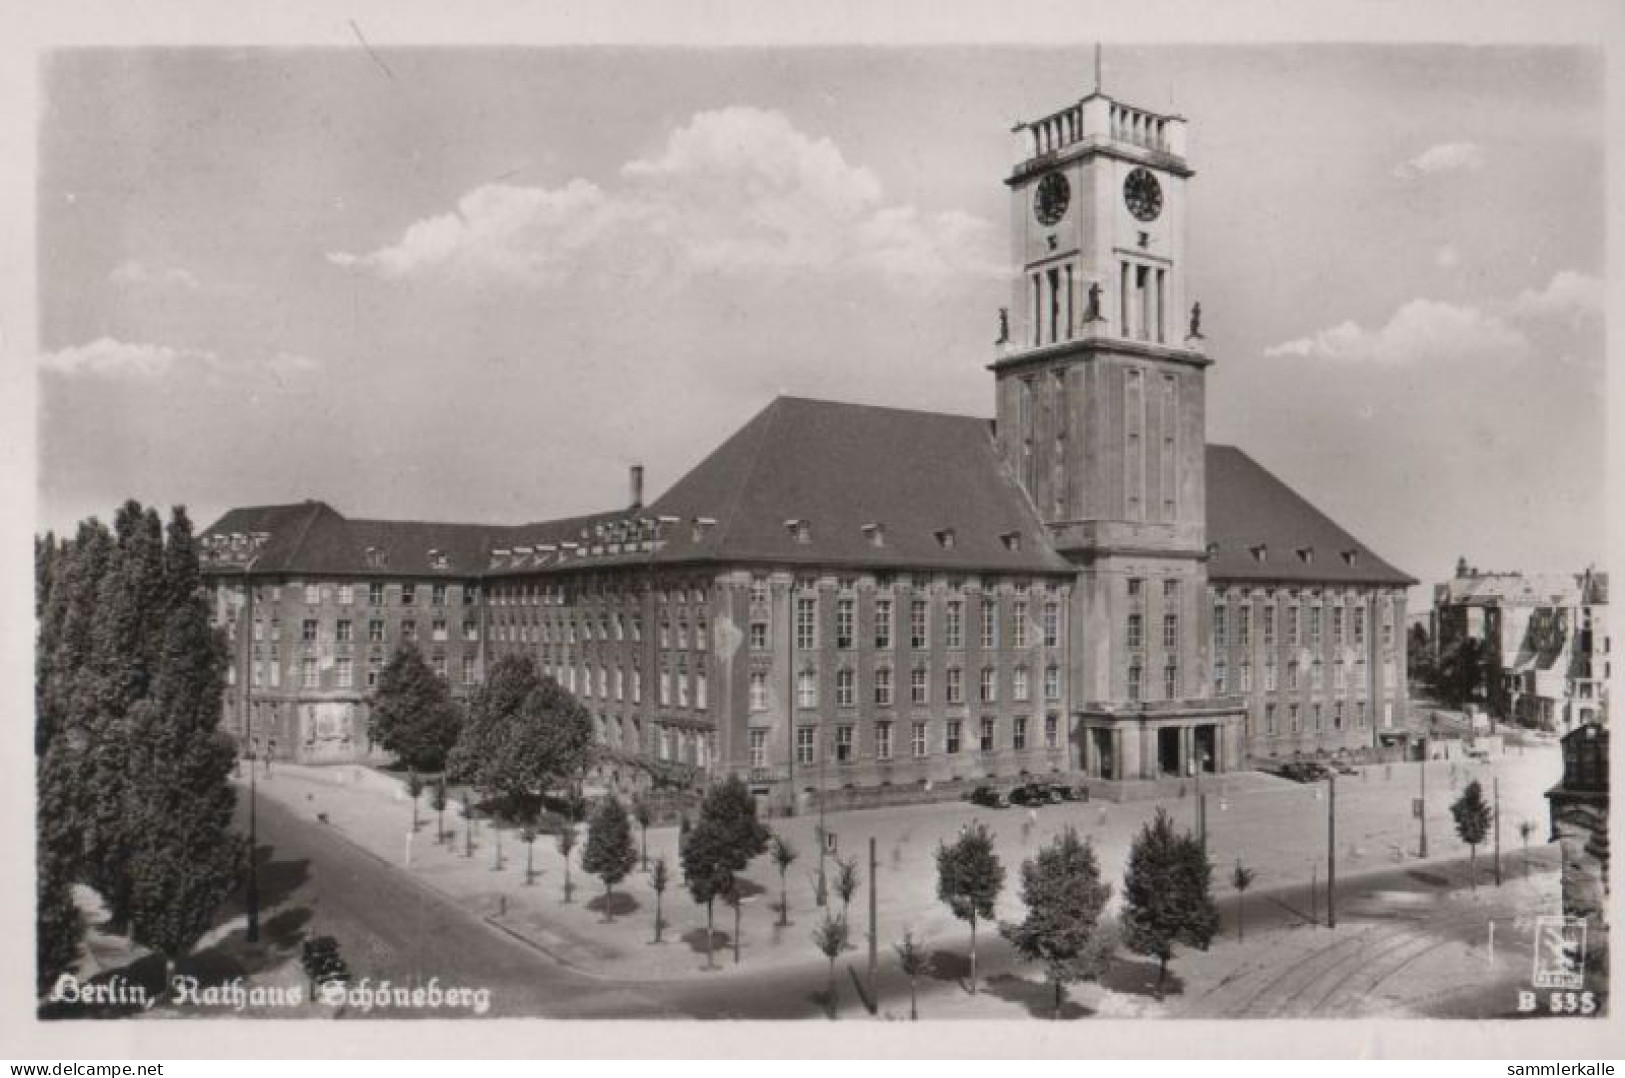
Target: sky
<point>478,283</point>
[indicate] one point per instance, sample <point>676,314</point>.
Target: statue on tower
<point>1196,323</point>
<point>1092,312</point>
<point>1004,326</point>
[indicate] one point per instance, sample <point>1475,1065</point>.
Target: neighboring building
<point>1551,634</point>
<point>1579,821</point>
<point>852,596</point>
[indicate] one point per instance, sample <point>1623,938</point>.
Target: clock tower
<point>1100,404</point>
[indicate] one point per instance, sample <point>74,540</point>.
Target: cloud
<point>1422,330</point>
<point>1443,157</point>
<point>1568,295</point>
<point>735,191</point>
<point>137,274</point>
<point>107,356</point>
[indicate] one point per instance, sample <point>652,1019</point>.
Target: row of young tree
<point>132,770</point>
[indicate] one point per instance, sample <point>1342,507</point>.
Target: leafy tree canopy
<point>413,715</point>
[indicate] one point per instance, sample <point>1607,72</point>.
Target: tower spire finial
<point>1097,67</point>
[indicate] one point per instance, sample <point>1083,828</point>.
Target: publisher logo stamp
<point>1560,951</point>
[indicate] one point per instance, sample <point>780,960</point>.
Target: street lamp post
<point>1422,817</point>
<point>1331,853</point>
<point>252,898</point>
<point>823,832</point>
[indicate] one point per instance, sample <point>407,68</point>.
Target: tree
<point>1525,829</point>
<point>412,713</point>
<point>645,816</point>
<point>1458,674</point>
<point>1166,893</point>
<point>831,937</point>
<point>1064,896</point>
<point>735,898</point>
<point>1242,878</point>
<point>59,929</point>
<point>659,877</point>
<point>784,855</point>
<point>969,879</point>
<point>1419,655</point>
<point>609,854</point>
<point>723,841</point>
<point>911,960</point>
<point>1473,817</point>
<point>525,734</point>
<point>847,881</point>
<point>414,790</point>
<point>566,843</point>
<point>527,835</point>
<point>437,801</point>
<point>185,855</point>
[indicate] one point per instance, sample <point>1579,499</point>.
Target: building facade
<point>852,597</point>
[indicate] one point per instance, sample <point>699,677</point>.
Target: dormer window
<point>376,558</point>
<point>800,530</point>
<point>945,538</point>
<point>1260,552</point>
<point>1212,549</point>
<point>1350,556</point>
<point>1011,540</point>
<point>702,525</point>
<point>875,533</point>
<point>1306,554</point>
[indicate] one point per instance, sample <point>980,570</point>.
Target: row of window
<point>1317,678</point>
<point>343,671</point>
<point>310,631</point>
<point>678,688</point>
<point>919,687</point>
<point>919,624</point>
<point>345,594</point>
<point>1315,616</point>
<point>1316,716</point>
<point>843,747</point>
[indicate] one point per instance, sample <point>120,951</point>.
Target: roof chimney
<point>637,486</point>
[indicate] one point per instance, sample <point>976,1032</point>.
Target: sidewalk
<point>1276,827</point>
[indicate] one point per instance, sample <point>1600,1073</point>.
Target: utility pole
<point>823,833</point>
<point>252,899</point>
<point>874,923</point>
<point>1422,817</point>
<point>1314,893</point>
<point>1495,785</point>
<point>1331,853</point>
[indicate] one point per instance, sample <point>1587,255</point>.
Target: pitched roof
<point>872,486</point>
<point>1251,513</point>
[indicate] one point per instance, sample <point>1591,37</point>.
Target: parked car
<point>987,797</point>
<point>1035,793</point>
<point>1343,767</point>
<point>1304,771</point>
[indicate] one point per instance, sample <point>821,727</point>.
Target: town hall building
<point>846,598</point>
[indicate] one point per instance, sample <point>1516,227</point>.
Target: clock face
<point>1050,202</point>
<point>1143,194</point>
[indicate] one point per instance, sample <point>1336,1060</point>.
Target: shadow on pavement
<point>1037,996</point>
<point>614,905</point>
<point>1139,978</point>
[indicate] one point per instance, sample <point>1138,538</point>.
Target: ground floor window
<point>917,739</point>
<point>1018,733</point>
<point>805,742</point>
<point>758,748</point>
<point>950,743</point>
<point>989,738</point>
<point>1052,732</point>
<point>883,741</point>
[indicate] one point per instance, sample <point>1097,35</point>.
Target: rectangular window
<point>308,674</point>
<point>344,672</point>
<point>1221,677</point>
<point>307,631</point>
<point>806,622</point>
<point>1244,627</point>
<point>883,741</point>
<point>1340,679</point>
<point>1269,719</point>
<point>954,624</point>
<point>989,741</point>
<point>1315,713</point>
<point>758,748</point>
<point>1358,614</point>
<point>758,690</point>
<point>375,631</point>
<point>1018,623</point>
<point>313,594</point>
<point>1337,626</point>
<point>1052,683</point>
<point>438,629</point>
<point>758,636</point>
<point>1052,624</point>
<point>806,744</point>
<point>1317,675</point>
<point>1292,627</point>
<point>438,664</point>
<point>1269,675</point>
<point>917,625</point>
<point>1314,626</point>
<point>1170,631</point>
<point>1136,632</point>
<point>989,689</point>
<point>950,742</point>
<point>469,670</point>
<point>665,686</point>
<point>883,686</point>
<point>471,593</point>
<point>1018,733</point>
<point>1220,628</point>
<point>409,594</point>
<point>845,695</point>
<point>1268,614</point>
<point>409,630</point>
<point>844,619</point>
<point>375,667</point>
<point>1361,714</point>
<point>471,630</point>
<point>1170,682</point>
<point>758,590</point>
<point>917,740</point>
<point>1020,689</point>
<point>344,631</point>
<point>955,691</point>
<point>807,689</point>
<point>1246,676</point>
<point>1387,626</point>
<point>1134,682</point>
<point>346,594</point>
<point>1052,732</point>
<point>1292,674</point>
<point>1294,723</point>
<point>990,623</point>
<point>883,629</point>
<point>437,595</point>
<point>919,690</point>
<point>843,744</point>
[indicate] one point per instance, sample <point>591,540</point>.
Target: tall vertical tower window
<point>1169,477</point>
<point>1134,449</point>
